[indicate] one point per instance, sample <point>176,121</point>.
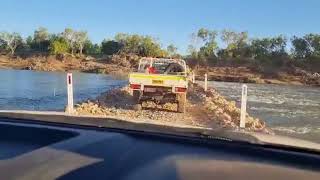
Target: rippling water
<point>30,90</point>
<point>289,110</point>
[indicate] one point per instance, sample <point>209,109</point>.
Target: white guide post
<point>193,78</point>
<point>70,93</point>
<point>205,82</point>
<point>243,106</point>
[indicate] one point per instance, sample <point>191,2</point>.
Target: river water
<point>31,90</point>
<point>289,110</point>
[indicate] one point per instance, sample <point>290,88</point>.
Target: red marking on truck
<point>135,86</point>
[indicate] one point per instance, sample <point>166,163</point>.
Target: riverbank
<point>122,66</point>
<point>204,110</point>
<point>246,75</point>
<point>67,63</point>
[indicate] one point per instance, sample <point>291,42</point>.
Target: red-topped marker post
<point>70,93</point>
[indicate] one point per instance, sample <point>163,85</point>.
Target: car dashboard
<point>50,151</point>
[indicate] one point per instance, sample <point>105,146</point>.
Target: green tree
<point>110,47</point>
<point>150,48</point>
<point>203,47</point>
<point>278,46</point>
<point>237,43</point>
<point>269,47</point>
<point>70,37</point>
<point>10,40</point>
<point>59,46</point>
<point>161,53</point>
<point>29,41</point>
<point>75,39</point>
<point>137,44</point>
<point>314,43</point>
<point>261,47</point>
<point>131,43</point>
<point>172,50</point>
<point>2,47</point>
<point>301,48</point>
<point>90,48</point>
<point>41,39</point>
<point>81,38</point>
<point>206,35</point>
<point>210,45</point>
<point>193,53</point>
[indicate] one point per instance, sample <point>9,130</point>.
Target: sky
<point>171,21</point>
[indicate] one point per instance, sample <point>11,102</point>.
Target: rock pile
<point>307,77</point>
<point>226,113</point>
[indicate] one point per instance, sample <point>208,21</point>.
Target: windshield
<point>211,66</point>
<point>162,66</point>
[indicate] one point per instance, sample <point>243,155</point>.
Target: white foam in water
<point>308,103</point>
<point>296,130</point>
<point>269,109</point>
<point>292,110</point>
<point>266,99</point>
<point>260,99</point>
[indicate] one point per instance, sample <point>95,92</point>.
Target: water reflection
<point>30,90</point>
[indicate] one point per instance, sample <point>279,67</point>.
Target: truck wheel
<point>136,96</point>
<point>182,98</point>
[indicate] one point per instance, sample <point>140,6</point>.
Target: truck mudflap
<point>182,99</point>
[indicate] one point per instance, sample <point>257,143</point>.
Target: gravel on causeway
<point>204,110</point>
